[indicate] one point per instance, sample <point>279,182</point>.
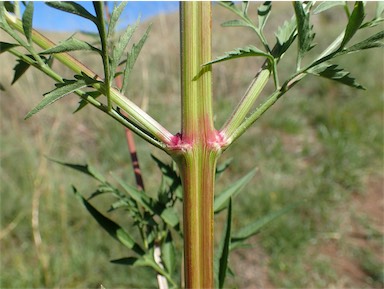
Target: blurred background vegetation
<point>321,144</point>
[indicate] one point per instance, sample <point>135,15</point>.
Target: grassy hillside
<point>321,144</point>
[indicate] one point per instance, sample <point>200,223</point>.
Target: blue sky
<point>47,18</point>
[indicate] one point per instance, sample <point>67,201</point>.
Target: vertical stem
<point>198,144</point>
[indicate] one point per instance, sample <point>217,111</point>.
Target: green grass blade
<point>85,169</point>
<point>57,94</point>
<point>224,248</point>
<point>255,227</point>
<point>222,199</point>
<point>132,57</point>
<point>333,72</point>
<point>110,226</point>
<point>73,8</point>
<point>27,21</point>
<point>71,44</point>
<point>354,23</point>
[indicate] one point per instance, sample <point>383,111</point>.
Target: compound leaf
<point>27,21</point>
<point>132,57</point>
<point>71,44</point>
<point>240,52</point>
<point>323,6</point>
<point>73,8</point>
<point>20,68</point>
<point>4,46</point>
<point>304,28</point>
<point>285,35</point>
<point>110,226</point>
<point>333,72</point>
<point>58,93</point>
<point>263,12</point>
<point>354,23</point>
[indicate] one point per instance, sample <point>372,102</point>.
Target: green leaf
<point>304,28</point>
<point>224,248</point>
<point>110,226</point>
<point>285,35</point>
<point>235,23</point>
<point>139,196</point>
<point>4,46</point>
<point>221,200</point>
<point>116,13</point>
<point>85,169</point>
<point>168,254</point>
<point>240,52</point>
<point>263,12</point>
<point>170,217</point>
<point>255,227</point>
<point>323,6</point>
<point>379,9</point>
<point>222,167</point>
<point>132,57</point>
<point>371,42</point>
<point>82,103</point>
<point>71,44</point>
<point>333,72</point>
<point>120,46</point>
<point>20,68</point>
<point>354,23</point>
<point>129,261</point>
<point>244,6</point>
<point>57,94</point>
<point>73,8</point>
<point>27,21</point>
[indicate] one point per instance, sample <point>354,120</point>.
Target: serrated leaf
<point>224,248</point>
<point>304,28</point>
<point>325,5</point>
<point>333,72</point>
<point>132,57</point>
<point>263,12</point>
<point>354,23</point>
<point>4,46</point>
<point>285,35</point>
<point>371,42</point>
<point>235,23</point>
<point>83,102</point>
<point>116,13</point>
<point>120,46</point>
<point>57,94</point>
<point>73,8</point>
<point>170,217</point>
<point>110,226</point>
<point>168,254</point>
<point>71,44</point>
<point>255,227</point>
<point>20,68</point>
<point>221,200</point>
<point>247,51</point>
<point>27,21</point>
<point>85,169</point>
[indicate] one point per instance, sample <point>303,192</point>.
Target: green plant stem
<point>197,149</point>
<point>246,103</point>
<point>141,119</point>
